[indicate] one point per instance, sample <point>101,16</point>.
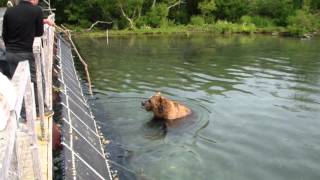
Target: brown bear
<point>164,108</point>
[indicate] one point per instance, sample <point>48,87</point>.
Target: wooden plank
<point>24,155</point>
<point>19,80</point>
<point>49,161</point>
<point>7,100</point>
<point>50,63</point>
<point>44,71</point>
<point>51,43</point>
<point>37,55</point>
<point>6,163</point>
<point>33,140</point>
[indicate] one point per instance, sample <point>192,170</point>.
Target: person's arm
<point>39,24</point>
<point>48,21</point>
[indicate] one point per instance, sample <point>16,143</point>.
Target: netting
<point>83,154</point>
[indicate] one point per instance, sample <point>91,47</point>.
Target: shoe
<point>48,113</point>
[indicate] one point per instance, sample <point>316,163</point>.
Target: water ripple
<point>256,103</point>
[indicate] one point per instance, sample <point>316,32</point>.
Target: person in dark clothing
<point>21,24</point>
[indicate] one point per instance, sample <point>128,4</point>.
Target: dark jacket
<point>21,24</point>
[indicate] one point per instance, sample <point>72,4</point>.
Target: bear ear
<point>158,93</point>
<point>160,107</point>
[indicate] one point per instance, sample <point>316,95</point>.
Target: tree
<point>231,10</point>
<point>278,10</point>
<point>156,15</point>
<point>207,8</point>
<point>130,10</point>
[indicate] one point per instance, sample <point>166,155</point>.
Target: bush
<point>260,21</point>
<point>3,3</point>
<point>278,10</point>
<point>225,27</point>
<point>197,20</point>
<point>228,27</point>
<point>248,28</point>
<point>302,22</point>
<point>246,19</point>
<point>157,15</point>
<point>141,22</point>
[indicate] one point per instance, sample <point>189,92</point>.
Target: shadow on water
<point>155,129</point>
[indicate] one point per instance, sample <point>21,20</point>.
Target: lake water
<point>255,103</point>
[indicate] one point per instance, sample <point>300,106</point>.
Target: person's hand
<point>49,22</point>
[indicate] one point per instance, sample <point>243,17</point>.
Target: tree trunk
<point>154,3</point>
<point>125,15</point>
<point>175,4</point>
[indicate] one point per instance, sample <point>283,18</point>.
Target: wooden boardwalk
<point>26,144</point>
<point>26,147</point>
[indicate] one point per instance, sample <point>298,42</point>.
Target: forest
<point>296,17</point>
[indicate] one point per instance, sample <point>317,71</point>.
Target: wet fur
<point>165,108</point>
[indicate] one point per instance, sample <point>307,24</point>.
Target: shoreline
<point>189,30</point>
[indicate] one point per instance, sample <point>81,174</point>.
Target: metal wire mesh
<point>83,153</point>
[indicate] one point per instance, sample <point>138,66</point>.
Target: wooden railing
<point>12,156</point>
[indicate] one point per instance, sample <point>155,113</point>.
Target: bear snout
<point>146,105</point>
<point>143,103</point>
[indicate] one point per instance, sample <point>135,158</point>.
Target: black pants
<point>13,60</point>
<point>4,68</point>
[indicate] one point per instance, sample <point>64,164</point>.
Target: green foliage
<point>246,19</point>
<point>278,10</point>
<point>207,7</point>
<point>156,15</point>
<point>179,16</point>
<point>225,27</point>
<point>302,23</point>
<point>231,10</point>
<point>299,16</point>
<point>248,28</point>
<point>315,5</point>
<point>261,22</point>
<point>197,20</point>
<point>228,27</point>
<point>3,3</point>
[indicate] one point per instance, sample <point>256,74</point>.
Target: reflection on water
<point>256,104</point>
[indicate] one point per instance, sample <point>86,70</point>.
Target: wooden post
<point>37,55</point>
<point>6,163</point>
<point>51,30</point>
<point>107,37</point>
<point>45,64</point>
<point>44,69</point>
<point>30,105</point>
<point>19,81</point>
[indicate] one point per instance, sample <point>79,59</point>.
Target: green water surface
<point>255,103</point>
